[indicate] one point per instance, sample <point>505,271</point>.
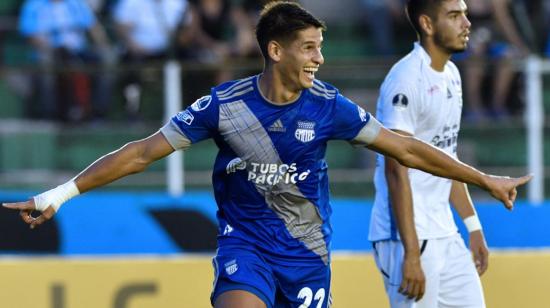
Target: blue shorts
<point>238,267</point>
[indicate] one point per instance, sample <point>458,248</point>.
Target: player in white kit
<point>423,260</point>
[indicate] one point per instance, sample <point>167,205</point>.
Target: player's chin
<point>308,85</point>
<point>307,80</point>
<point>459,48</point>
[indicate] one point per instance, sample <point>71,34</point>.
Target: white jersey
<point>419,100</point>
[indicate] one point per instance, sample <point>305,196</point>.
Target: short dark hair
<point>415,8</point>
<point>281,20</point>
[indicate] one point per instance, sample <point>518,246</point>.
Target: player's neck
<point>273,88</point>
<point>438,56</point>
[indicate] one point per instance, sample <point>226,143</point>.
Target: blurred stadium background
<point>135,244</point>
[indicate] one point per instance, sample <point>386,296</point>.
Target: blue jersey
<point>270,175</point>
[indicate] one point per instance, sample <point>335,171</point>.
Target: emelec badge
<point>305,131</point>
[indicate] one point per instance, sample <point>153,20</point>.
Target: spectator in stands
<point>146,29</point>
<point>381,16</point>
<point>247,13</point>
<point>57,30</point>
<point>495,39</point>
<point>219,29</point>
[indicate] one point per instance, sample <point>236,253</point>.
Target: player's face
<point>452,27</point>
<point>301,58</point>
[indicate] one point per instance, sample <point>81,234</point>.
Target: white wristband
<point>56,197</point>
<point>472,223</point>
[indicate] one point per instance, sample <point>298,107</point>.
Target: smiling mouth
<point>310,71</point>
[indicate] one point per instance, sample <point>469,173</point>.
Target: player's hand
<point>25,211</point>
<point>413,284</point>
<point>503,188</point>
<point>480,252</point>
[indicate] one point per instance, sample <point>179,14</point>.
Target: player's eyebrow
<point>314,42</point>
<point>456,12</point>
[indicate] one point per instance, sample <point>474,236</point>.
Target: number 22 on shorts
<point>307,295</point>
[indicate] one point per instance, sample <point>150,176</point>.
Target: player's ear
<point>426,24</point>
<point>274,50</point>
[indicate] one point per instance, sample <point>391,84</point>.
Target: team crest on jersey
<point>186,117</point>
<point>202,103</point>
<point>231,267</point>
<point>305,131</point>
<point>400,101</point>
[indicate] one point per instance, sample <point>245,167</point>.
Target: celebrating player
<point>270,177</point>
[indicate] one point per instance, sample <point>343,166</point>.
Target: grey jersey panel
<point>245,134</point>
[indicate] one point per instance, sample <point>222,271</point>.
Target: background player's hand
<point>480,252</point>
<point>504,188</point>
<point>25,210</point>
<point>413,284</point>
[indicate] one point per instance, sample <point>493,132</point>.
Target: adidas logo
<point>277,126</point>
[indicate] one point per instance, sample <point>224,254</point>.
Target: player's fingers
<point>46,215</point>
<point>403,288</point>
<point>26,216</point>
<point>513,194</point>
<point>522,180</point>
<point>481,260</point>
<point>38,221</point>
<point>414,289</point>
<point>26,205</point>
<point>478,263</point>
<point>484,261</point>
<point>509,204</point>
<point>482,269</point>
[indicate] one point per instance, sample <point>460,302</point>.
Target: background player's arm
<point>416,154</point>
<point>397,177</point>
<point>461,201</point>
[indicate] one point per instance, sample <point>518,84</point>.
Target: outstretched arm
<point>413,153</point>
<point>132,158</point>
<point>461,201</point>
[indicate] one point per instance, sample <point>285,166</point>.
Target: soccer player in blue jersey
<point>270,177</point>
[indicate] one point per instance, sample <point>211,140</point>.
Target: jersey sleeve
<point>348,119</point>
<point>399,105</point>
<point>198,122</point>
